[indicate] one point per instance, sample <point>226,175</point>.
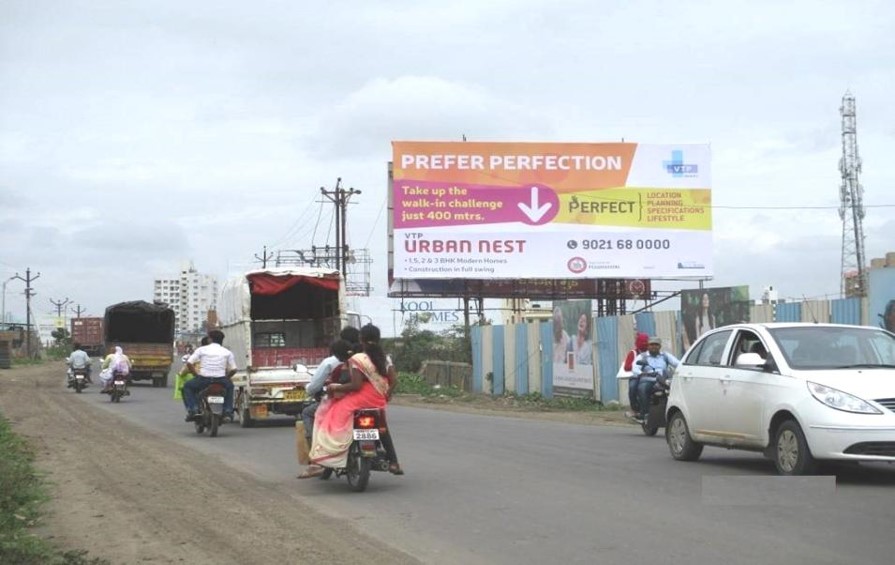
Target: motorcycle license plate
<point>79,377</point>
<point>215,399</point>
<point>119,383</point>
<point>366,434</point>
<point>294,395</point>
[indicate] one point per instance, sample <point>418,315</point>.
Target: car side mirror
<point>750,361</point>
<point>642,362</point>
<point>299,368</point>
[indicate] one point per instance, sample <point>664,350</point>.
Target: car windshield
<point>826,347</point>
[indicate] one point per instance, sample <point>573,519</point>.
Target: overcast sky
<point>138,135</point>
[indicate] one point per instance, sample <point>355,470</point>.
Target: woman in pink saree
<point>370,387</point>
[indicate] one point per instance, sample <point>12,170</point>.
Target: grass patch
<point>411,383</point>
<point>23,361</point>
<point>22,494</point>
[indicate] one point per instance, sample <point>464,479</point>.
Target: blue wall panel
<point>546,337</point>
<point>789,312</point>
<point>607,357</point>
<point>645,322</point>
<point>498,373</point>
<point>476,339</point>
<point>846,311</point>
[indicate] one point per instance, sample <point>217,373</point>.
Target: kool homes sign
<point>472,210</point>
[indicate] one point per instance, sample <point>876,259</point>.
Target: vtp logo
<point>677,168</point>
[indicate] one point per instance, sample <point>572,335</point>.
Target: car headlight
<point>840,400</point>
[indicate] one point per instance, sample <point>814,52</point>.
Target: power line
<point>376,221</point>
<point>794,207</point>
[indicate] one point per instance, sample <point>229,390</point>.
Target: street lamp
<point>3,304</point>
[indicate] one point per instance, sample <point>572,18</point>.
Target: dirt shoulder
<point>128,495</point>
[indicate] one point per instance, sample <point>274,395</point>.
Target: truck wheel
<point>242,409</point>
<point>245,418</point>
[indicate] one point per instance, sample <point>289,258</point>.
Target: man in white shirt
<point>77,360</point>
<point>215,364</point>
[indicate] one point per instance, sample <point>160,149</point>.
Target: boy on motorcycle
<point>648,367</point>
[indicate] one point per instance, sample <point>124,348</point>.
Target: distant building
<point>191,295</point>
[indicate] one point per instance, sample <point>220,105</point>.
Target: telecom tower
<point>851,207</point>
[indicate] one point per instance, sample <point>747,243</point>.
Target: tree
<point>61,336</point>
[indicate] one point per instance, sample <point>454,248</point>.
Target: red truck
<point>89,333</point>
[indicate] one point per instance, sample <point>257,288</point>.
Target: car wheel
<point>791,453</point>
<point>680,444</point>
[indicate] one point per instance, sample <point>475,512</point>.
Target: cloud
<point>419,107</point>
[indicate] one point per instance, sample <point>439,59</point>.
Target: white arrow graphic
<point>534,212</point>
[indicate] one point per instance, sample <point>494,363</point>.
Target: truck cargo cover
<point>236,294</point>
<point>139,321</point>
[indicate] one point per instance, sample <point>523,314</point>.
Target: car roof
<point>779,325</point>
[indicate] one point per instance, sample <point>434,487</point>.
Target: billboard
<point>476,210</point>
<point>573,348</point>
<point>881,300</point>
<point>703,309</point>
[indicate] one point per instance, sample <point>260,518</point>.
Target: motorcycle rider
<point>115,362</point>
<point>347,345</point>
<point>640,346</point>
<point>657,363</point>
<point>78,359</point>
<point>215,364</point>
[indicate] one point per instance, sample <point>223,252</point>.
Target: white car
<point>799,393</point>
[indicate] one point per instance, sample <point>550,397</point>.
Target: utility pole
<point>340,197</point>
<point>264,258</point>
<point>78,310</point>
<point>60,309</point>
<point>29,292</point>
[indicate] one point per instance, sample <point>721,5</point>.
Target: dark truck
<point>145,332</point>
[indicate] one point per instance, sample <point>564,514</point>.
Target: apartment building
<point>191,295</point>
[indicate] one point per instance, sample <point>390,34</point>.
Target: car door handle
<point>725,380</point>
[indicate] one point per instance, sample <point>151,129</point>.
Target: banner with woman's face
<point>573,346</point>
<point>881,299</point>
<point>703,309</point>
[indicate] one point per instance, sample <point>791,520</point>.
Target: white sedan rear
<point>799,393</point>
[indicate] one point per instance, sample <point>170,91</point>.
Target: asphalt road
<point>486,489</point>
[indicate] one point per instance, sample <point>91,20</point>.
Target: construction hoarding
<point>470,210</point>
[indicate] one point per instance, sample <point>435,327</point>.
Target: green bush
<point>416,345</point>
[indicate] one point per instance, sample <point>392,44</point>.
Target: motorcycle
<point>658,400</point>
<point>119,387</point>
<point>211,409</point>
<point>366,452</point>
<point>77,379</point>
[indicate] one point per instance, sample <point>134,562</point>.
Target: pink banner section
<point>422,204</point>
